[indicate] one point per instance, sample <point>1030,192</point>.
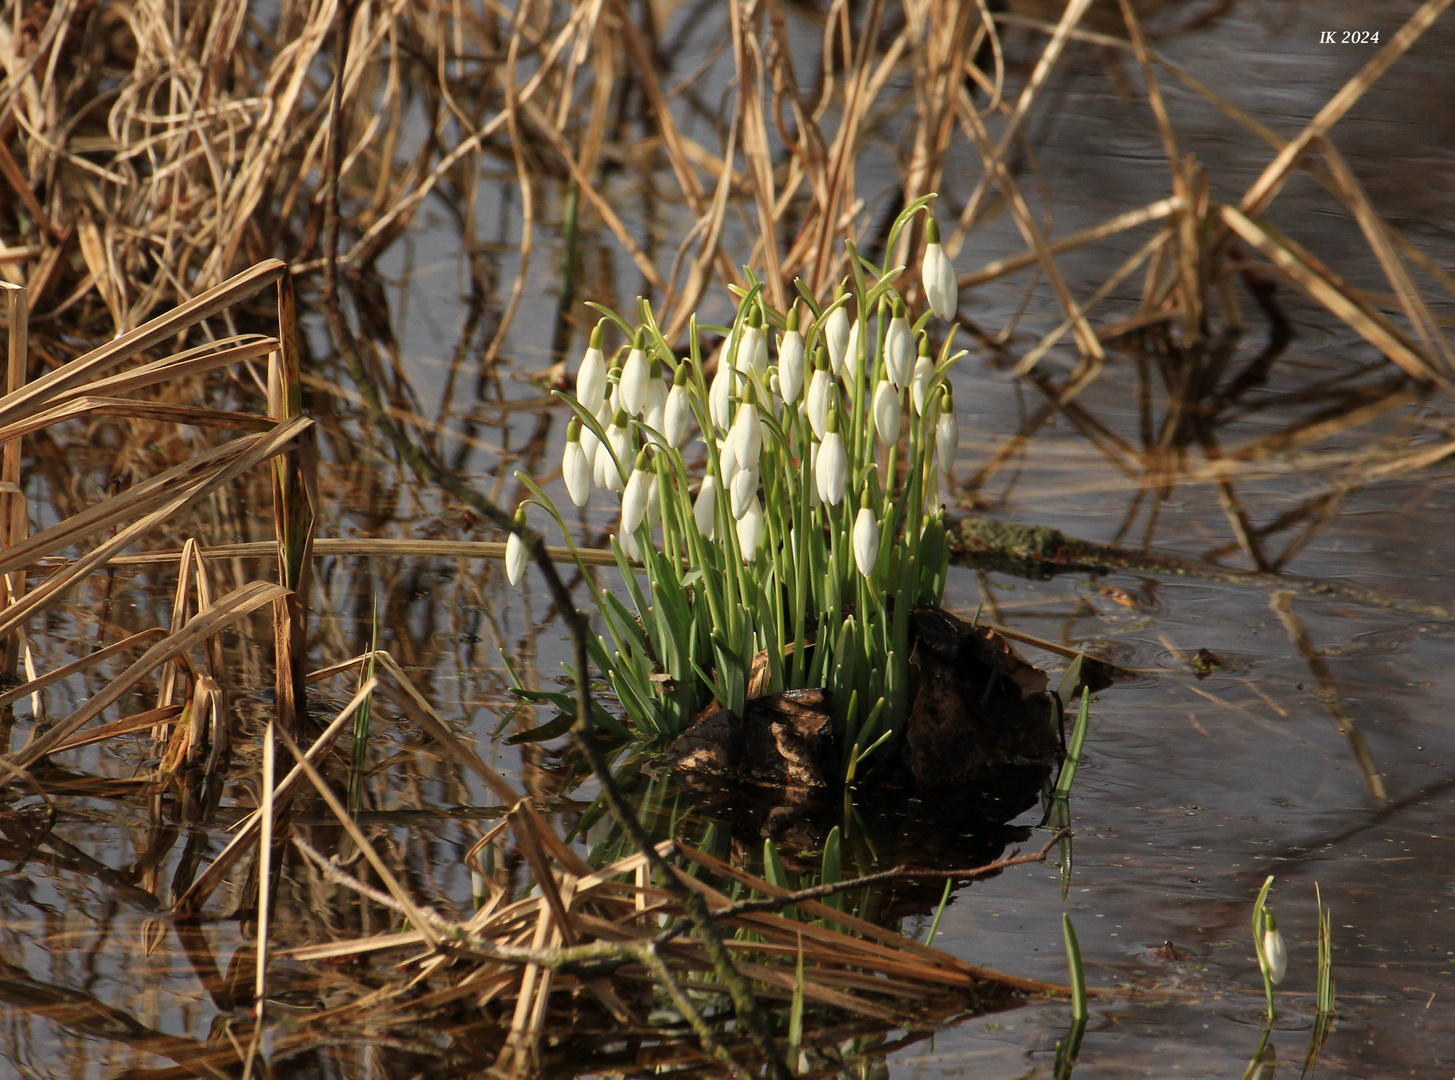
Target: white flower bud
<point>727,459</point>
<point>747,436</point>
<point>656,397</point>
<point>591,376</point>
<point>634,499</point>
<point>836,337</point>
<point>831,470</point>
<point>1274,951</point>
<point>619,438</point>
<point>790,362</point>
<point>866,541</point>
<point>516,553</point>
<point>704,509</point>
<point>924,371</point>
<point>742,491</point>
<point>851,355</point>
<point>947,434</point>
<point>678,411</point>
<point>887,412</point>
<point>719,394</point>
<point>575,469</point>
<point>820,396</point>
<point>938,273</point>
<point>629,546</point>
<point>899,350</point>
<point>635,377</point>
<point>751,528</point>
<point>654,504</point>
<point>752,352</point>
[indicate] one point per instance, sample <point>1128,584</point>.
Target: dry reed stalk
<point>14,508</point>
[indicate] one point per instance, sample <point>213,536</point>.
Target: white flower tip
<point>866,541</point>
<point>516,554</point>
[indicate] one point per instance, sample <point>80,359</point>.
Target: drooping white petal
<point>851,354</point>
<point>746,436</point>
<point>816,405</point>
<point>924,371</point>
<point>742,491</point>
<point>591,379</point>
<point>654,505</point>
<point>634,499</point>
<point>620,439</point>
<point>899,352</point>
<point>516,556</point>
<point>887,413</point>
<point>576,470</point>
<point>831,469</point>
<point>836,337</point>
<point>752,353</point>
<point>1274,950</point>
<point>941,288</point>
<point>727,459</point>
<point>704,510</point>
<point>634,381</point>
<point>675,415</point>
<point>790,366</point>
<point>655,409</point>
<point>947,436</point>
<point>719,394</point>
<point>866,541</point>
<point>751,528</point>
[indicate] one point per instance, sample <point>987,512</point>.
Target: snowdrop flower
<point>746,435</point>
<point>515,551</point>
<point>941,287</point>
<point>851,355</point>
<point>1273,949</point>
<point>887,410</point>
<point>836,333</point>
<point>619,439</point>
<point>678,409</point>
<point>632,388</point>
<point>656,402</point>
<point>831,470</point>
<point>743,491</point>
<point>820,393</point>
<point>575,468</point>
<point>629,546</point>
<point>591,376</point>
<point>790,361</point>
<point>866,540</point>
<point>638,489</point>
<point>720,393</point>
<point>704,509</point>
<point>654,501</point>
<point>752,352</point>
<point>751,528</point>
<point>924,371</point>
<point>899,348</point>
<point>727,459</point>
<point>947,433</point>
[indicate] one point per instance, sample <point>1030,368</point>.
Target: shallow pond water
<point>1193,791</point>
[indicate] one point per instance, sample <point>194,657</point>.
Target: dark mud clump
<point>980,742</point>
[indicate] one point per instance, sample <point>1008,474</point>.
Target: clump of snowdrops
<point>784,514</point>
